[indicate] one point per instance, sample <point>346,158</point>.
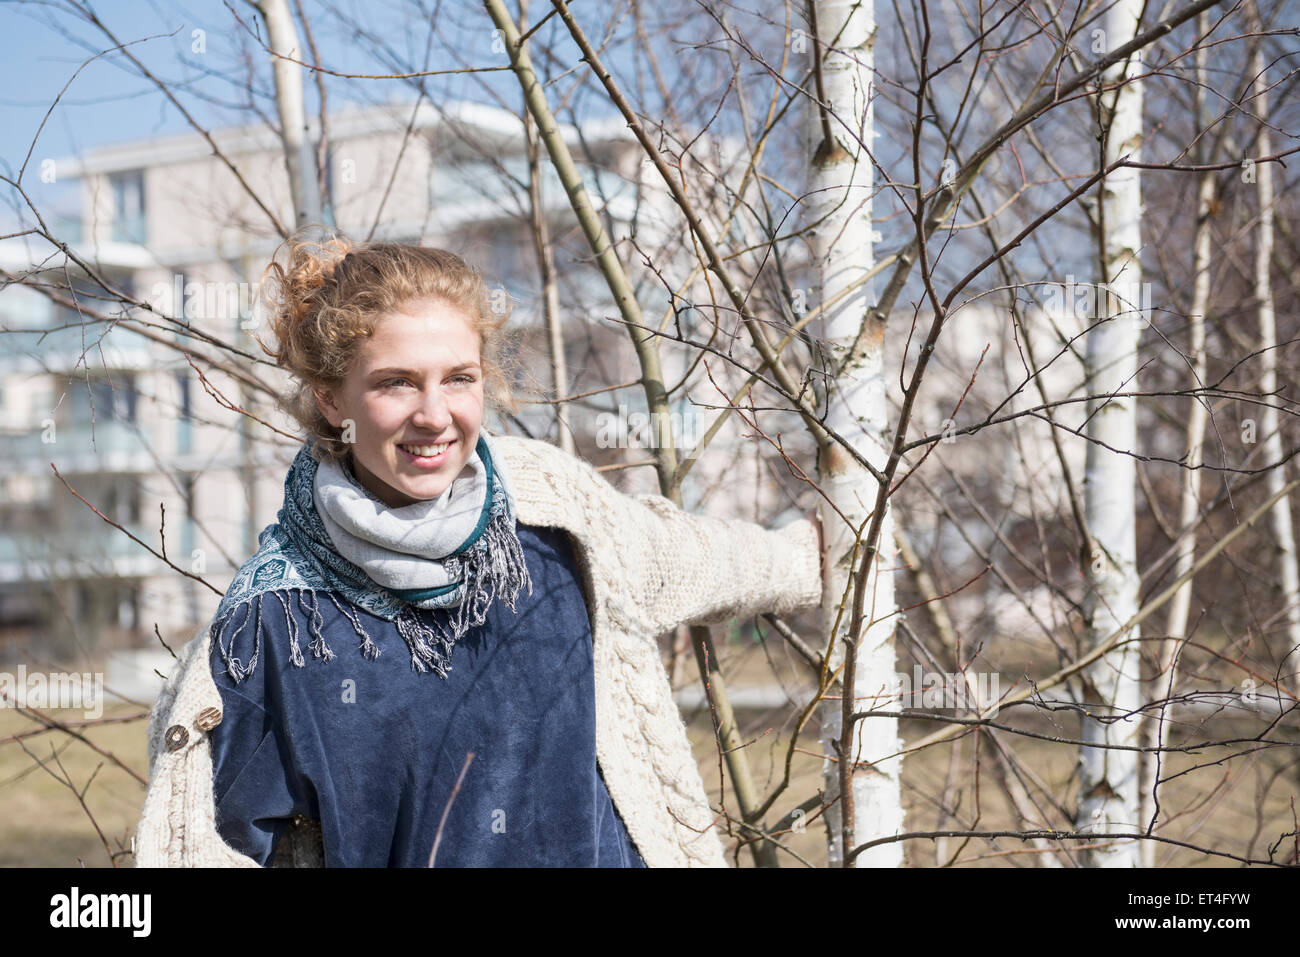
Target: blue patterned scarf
<point>297,558</point>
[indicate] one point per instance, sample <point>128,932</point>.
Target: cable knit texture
<point>646,567</point>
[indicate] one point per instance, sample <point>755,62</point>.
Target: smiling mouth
<point>427,451</point>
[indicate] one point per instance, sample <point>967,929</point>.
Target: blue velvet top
<point>372,749</point>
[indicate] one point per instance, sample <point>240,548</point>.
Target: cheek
<point>468,405</point>
<point>384,414</point>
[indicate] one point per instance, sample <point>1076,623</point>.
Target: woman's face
<point>414,398</point>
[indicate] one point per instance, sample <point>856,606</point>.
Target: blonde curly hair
<point>328,296</point>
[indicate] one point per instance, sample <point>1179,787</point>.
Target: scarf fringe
<point>317,622</point>
<point>430,651</point>
<point>368,648</point>
<point>494,567</point>
<point>309,603</point>
<point>234,666</point>
<point>291,623</point>
<point>499,569</point>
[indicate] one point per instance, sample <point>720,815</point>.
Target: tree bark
<point>546,267</point>
<point>282,40</point>
<point>839,204</point>
<point>1269,425</point>
<point>1108,779</point>
<point>1163,685</point>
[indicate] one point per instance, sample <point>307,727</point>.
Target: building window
<point>128,608</point>
<point>188,537</point>
<point>98,398</point>
<point>184,422</point>
<point>114,400</point>
<point>128,206</point>
<point>132,496</point>
<point>25,308</point>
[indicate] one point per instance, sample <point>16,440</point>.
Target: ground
<point>43,824</point>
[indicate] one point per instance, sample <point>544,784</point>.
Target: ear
<point>325,403</point>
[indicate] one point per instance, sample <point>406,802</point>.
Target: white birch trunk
<point>1270,428</point>
<point>840,183</point>
<point>1190,502</point>
<point>1108,779</point>
<point>282,38</point>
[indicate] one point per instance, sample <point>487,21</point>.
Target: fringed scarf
<point>453,555</point>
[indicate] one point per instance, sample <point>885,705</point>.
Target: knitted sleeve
<point>696,569</point>
<point>176,822</point>
<point>680,568</point>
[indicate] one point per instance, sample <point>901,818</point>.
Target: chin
<point>428,490</point>
<point>400,479</point>
<point>431,486</point>
<point>417,488</point>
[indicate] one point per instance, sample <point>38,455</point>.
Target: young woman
<point>481,611</point>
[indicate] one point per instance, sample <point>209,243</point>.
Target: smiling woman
<point>414,426</point>
<point>532,590</point>
<point>385,328</point>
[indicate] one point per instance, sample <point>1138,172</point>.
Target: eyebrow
<point>392,370</point>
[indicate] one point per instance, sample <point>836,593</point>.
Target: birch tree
<point>550,298</point>
<point>840,241</point>
<point>299,155</point>
<point>1108,778</point>
<point>1189,505</point>
<point>1270,424</point>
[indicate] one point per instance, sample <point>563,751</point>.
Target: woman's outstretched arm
<point>657,566</point>
<point>668,567</point>
<point>698,569</point>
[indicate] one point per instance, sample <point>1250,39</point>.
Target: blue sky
<point>103,104</point>
<point>43,45</point>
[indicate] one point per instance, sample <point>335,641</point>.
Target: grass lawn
<point>1231,803</point>
<point>42,822</point>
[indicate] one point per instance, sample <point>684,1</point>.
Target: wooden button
<point>207,719</point>
<point>176,737</point>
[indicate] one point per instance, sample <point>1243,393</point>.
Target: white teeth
<point>426,451</point>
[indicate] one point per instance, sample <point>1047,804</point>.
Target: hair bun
<point>312,263</point>
<point>313,257</point>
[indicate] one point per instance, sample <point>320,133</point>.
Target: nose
<point>433,413</point>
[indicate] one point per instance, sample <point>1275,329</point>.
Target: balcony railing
<point>109,446</point>
<point>64,350</point>
<point>95,552</point>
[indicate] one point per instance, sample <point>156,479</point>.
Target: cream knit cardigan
<point>646,566</point>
